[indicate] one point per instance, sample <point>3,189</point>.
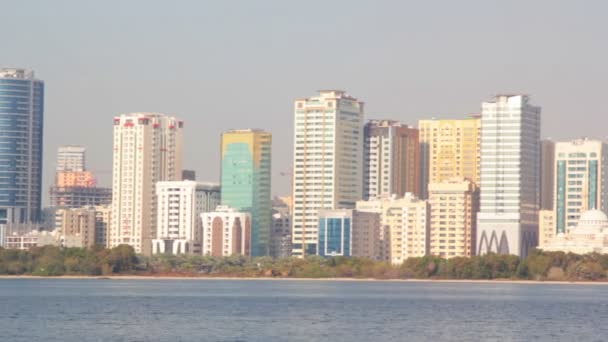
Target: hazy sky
<point>239,64</point>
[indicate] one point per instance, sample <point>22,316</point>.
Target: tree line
<point>122,260</point>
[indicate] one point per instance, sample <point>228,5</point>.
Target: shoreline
<point>224,278</point>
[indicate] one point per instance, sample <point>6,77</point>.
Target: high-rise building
<point>349,232</point>
<point>547,173</point>
<point>245,181</point>
<point>328,153</point>
<point>147,149</point>
<point>507,222</point>
<point>21,126</point>
<point>226,232</point>
<point>453,218</point>
<point>180,203</point>
<point>391,162</point>
<point>404,226</point>
<point>580,180</point>
<point>449,149</point>
<point>70,158</point>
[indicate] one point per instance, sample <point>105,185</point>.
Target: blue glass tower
<point>21,124</point>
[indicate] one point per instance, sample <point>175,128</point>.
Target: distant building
<point>76,227</point>
<point>546,227</point>
<point>453,218</point>
<point>327,171</point>
<point>280,234</point>
<point>245,181</point>
<point>580,180</point>
<point>22,108</point>
<point>70,158</point>
<point>83,179</point>
<point>148,148</point>
<point>180,203</point>
<point>348,232</point>
<point>189,175</point>
<point>547,174</point>
<point>33,238</point>
<point>507,222</point>
<point>404,226</point>
<point>103,218</point>
<point>391,161</point>
<point>450,148</point>
<point>589,236</point>
<point>226,232</point>
<point>77,196</point>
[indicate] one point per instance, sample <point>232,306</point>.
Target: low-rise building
<point>589,236</point>
<point>226,232</point>
<point>546,227</point>
<point>348,232</point>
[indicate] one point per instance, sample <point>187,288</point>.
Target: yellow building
<point>453,218</point>
<point>404,226</point>
<point>450,149</point>
<point>546,227</point>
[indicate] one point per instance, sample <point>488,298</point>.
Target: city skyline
<point>190,71</point>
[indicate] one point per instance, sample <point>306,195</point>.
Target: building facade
<point>453,218</point>
<point>349,232</point>
<point>391,159</point>
<point>76,227</point>
<point>580,180</point>
<point>79,196</point>
<point>450,149</point>
<point>510,176</point>
<point>148,148</point>
<point>180,203</point>
<point>226,232</point>
<point>328,153</point>
<point>589,236</point>
<point>245,181</point>
<point>21,126</point>
<point>404,225</point>
<point>70,158</point>
<point>546,227</point>
<point>103,219</point>
<point>280,236</point>
<point>547,174</point>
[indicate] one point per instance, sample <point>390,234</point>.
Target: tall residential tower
<point>510,176</point>
<point>391,162</point>
<point>147,149</point>
<point>328,153</point>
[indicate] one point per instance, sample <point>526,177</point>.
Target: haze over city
<point>240,64</point>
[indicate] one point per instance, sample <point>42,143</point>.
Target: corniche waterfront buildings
<point>226,232</point>
<point>245,181</point>
<point>21,127</point>
<point>327,164</point>
<point>148,149</point>
<point>510,176</point>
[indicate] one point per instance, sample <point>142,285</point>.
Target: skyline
<point>110,66</point>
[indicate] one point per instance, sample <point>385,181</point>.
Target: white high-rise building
<point>510,176</point>
<point>70,158</point>
<point>180,203</point>
<point>328,153</point>
<point>147,149</point>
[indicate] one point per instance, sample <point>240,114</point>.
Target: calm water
<point>219,310</point>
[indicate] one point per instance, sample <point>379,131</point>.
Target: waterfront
<point>263,310</point>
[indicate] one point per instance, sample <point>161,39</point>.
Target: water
<point>259,310</point>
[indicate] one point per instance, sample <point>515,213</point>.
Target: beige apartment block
<point>453,218</point>
<point>404,226</point>
<point>546,227</point>
<point>449,149</point>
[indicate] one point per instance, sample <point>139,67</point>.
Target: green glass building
<point>245,180</point>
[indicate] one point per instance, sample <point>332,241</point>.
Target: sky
<point>220,65</point>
